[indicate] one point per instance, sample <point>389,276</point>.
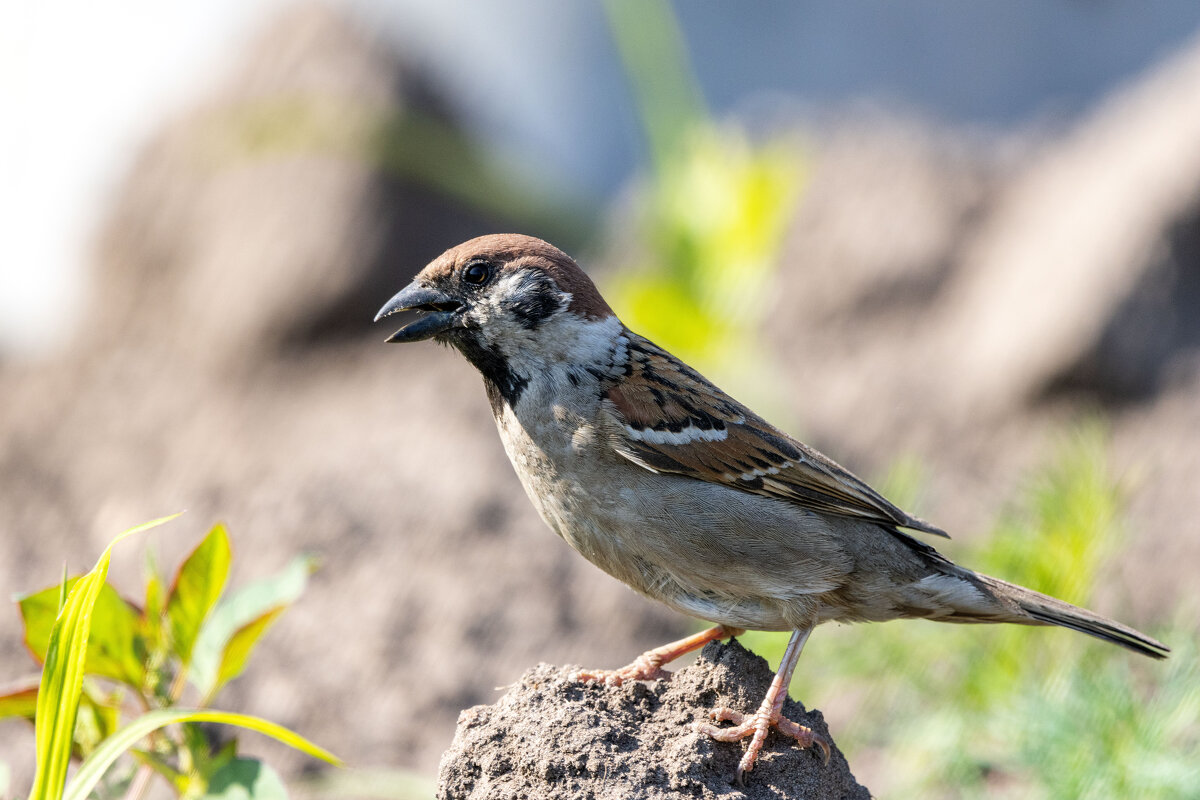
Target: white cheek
<point>561,343</point>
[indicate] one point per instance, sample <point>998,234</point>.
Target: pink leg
<point>769,714</point>
<point>648,666</point>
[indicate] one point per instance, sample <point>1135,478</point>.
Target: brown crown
<point>514,251</point>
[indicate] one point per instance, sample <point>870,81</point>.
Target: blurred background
<point>956,247</point>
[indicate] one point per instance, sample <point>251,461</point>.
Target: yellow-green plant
<point>710,224</point>
<point>101,653</point>
<point>709,218</point>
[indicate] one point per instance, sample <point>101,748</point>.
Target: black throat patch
<point>502,384</point>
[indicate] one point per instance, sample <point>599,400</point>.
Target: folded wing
<point>669,418</point>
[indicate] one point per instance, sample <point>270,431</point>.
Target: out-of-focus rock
<point>887,208</point>
<point>547,737</point>
<point>955,297</point>
<point>271,212</point>
<point>1085,269</point>
<point>1006,269</point>
<point>886,203</point>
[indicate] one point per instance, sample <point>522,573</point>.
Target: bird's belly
<point>711,557</point>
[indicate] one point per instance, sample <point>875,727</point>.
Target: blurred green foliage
<point>1007,710</point>
<point>105,659</point>
<point>709,230</point>
<point>709,219</point>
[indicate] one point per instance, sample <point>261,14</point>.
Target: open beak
<point>439,312</point>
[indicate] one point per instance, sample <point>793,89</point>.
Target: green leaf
<point>39,610</point>
<point>239,610</point>
<point>196,589</point>
<point>246,779</point>
<point>62,676</point>
<point>114,649</point>
<point>98,718</point>
<point>241,645</point>
<point>20,701</point>
<point>101,759</point>
<point>111,649</point>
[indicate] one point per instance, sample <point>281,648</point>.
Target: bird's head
<point>512,304</point>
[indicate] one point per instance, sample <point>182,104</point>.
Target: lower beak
<point>439,312</point>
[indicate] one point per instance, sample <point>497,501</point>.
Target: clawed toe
<point>756,726</point>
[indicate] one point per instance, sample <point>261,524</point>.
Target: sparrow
<point>667,483</point>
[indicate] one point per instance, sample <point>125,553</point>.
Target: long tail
<point>1044,609</point>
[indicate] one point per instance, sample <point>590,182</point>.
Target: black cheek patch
<point>535,301</point>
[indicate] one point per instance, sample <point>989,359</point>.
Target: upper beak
<point>441,312</point>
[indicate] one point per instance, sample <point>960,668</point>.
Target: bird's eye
<point>477,272</point>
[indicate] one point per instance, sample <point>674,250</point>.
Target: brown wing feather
<point>674,420</point>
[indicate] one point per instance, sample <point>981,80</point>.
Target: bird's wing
<point>669,418</point>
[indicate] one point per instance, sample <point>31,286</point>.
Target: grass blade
<point>110,750</point>
<point>62,675</point>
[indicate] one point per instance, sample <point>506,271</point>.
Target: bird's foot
<point>646,667</point>
<point>756,725</point>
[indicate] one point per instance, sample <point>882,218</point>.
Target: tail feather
<point>1044,609</point>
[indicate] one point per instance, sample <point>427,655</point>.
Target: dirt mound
<point>551,738</point>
